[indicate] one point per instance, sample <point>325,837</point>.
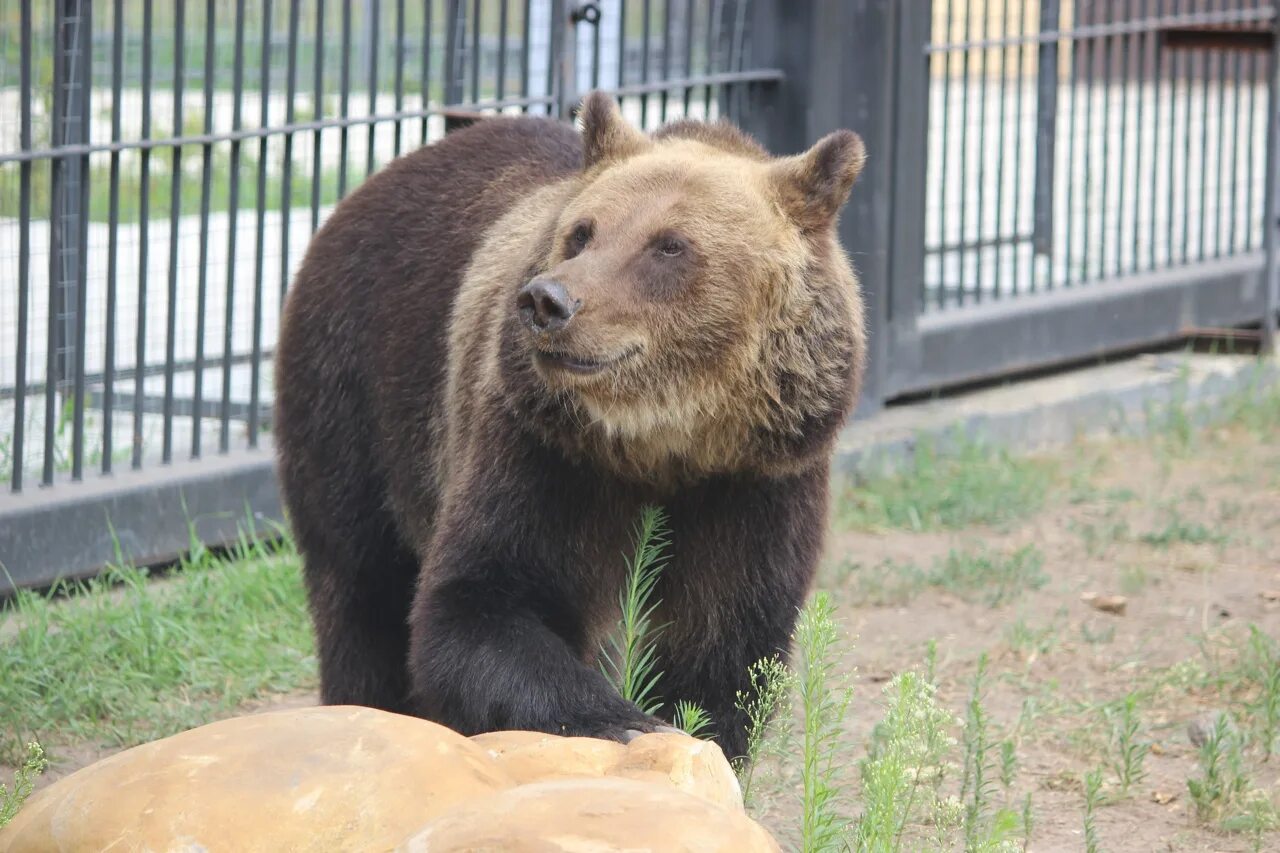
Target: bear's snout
<point>545,305</point>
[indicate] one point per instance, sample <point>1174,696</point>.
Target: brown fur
<point>427,437</point>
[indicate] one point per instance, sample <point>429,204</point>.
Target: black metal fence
<point>1049,180</point>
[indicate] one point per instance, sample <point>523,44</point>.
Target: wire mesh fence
<point>163,166</point>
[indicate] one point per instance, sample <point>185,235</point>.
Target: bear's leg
<point>490,651</point>
<point>361,617</point>
<point>359,575</point>
<point>708,663</point>
<point>744,555</point>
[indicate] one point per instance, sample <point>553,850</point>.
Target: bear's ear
<point>815,185</point>
<point>606,136</point>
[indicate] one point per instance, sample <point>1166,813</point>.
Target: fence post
<point>842,60</point>
<point>68,223</point>
<point>1046,129</point>
<point>564,52</point>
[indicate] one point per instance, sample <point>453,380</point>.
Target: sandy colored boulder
<point>532,757</point>
<point>686,764</point>
<point>336,778</point>
<point>607,815</point>
<point>694,766</point>
<point>347,778</point>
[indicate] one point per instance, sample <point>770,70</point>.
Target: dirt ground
<point>1190,537</point>
<point>1185,530</point>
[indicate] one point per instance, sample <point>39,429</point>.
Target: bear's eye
<point>669,247</point>
<point>579,237</point>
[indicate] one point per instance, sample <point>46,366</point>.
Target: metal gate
<point>1095,177</point>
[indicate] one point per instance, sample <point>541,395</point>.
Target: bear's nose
<point>545,305</point>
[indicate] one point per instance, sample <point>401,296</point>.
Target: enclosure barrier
<point>1049,180</point>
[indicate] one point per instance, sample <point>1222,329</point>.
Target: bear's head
<point>695,305</point>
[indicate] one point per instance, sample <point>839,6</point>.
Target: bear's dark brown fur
<point>500,348</point>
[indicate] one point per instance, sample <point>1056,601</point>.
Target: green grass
<point>1178,529</point>
<point>975,483</point>
<point>629,658</point>
<point>24,780</point>
<point>824,695</point>
<point>980,575</point>
<point>124,659</point>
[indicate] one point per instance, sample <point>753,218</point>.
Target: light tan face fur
<point>696,268</point>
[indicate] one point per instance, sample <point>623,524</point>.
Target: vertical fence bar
<point>622,45</point>
<point>455,23</point>
<point>715,11</point>
<point>1150,46</point>
<point>980,212</point>
<point>1186,167</point>
<point>233,209</point>
<point>666,60</point>
<point>175,222</point>
<point>1073,74</point>
<point>1221,187</point>
<point>1086,230</point>
<point>687,94</point>
<point>398,130</point>
<point>595,52</point>
<point>428,5</point>
<point>374,28</point>
<point>206,185</point>
<point>1249,164</point>
<point>259,255</point>
<point>561,52</point>
<point>317,138</point>
<point>1271,200</point>
<point>944,162</point>
<point>286,176</point>
<point>1233,210</point>
<point>344,98</point>
<point>67,230</point>
<point>1104,232</point>
<point>1175,66</point>
<point>113,240</point>
<point>500,83</point>
<point>1158,70</point>
<point>525,57</point>
<point>144,241</point>
<point>646,11</point>
<point>1206,75</point>
<point>25,95</point>
<point>475,50</point>
<point>962,243</point>
<point>1087,224</point>
<point>733,92</point>
<point>1017,157</point>
<point>1128,46</point>
<point>1001,124</point>
<point>84,87</point>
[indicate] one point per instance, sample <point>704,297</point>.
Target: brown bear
<point>500,349</point>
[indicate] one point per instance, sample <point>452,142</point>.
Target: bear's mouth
<point>582,365</point>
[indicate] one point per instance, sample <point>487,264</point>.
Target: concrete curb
<point>1112,399</point>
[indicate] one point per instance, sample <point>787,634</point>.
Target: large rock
<point>345,778</point>
<point>590,816</point>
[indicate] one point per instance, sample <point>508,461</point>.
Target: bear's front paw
<point>620,730</point>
